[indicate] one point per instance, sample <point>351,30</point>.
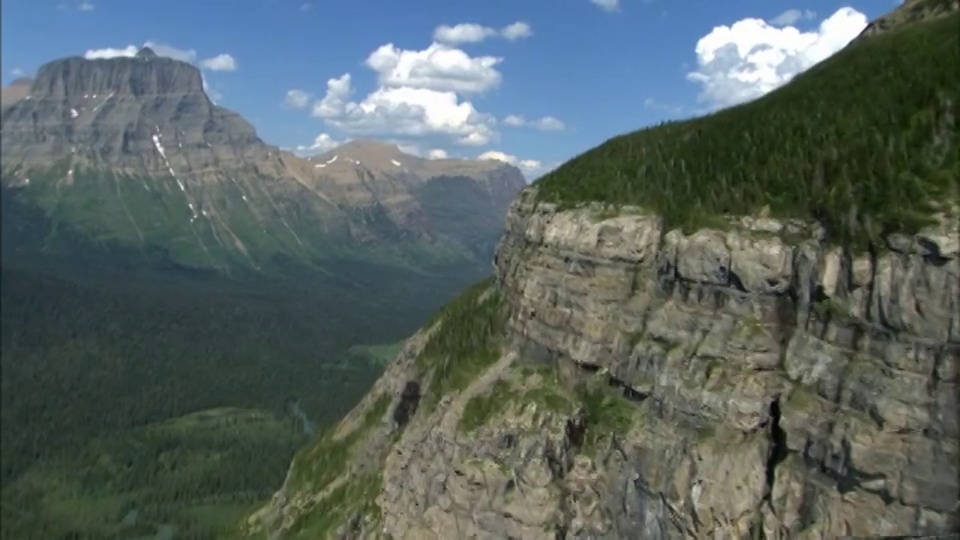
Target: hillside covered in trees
<point>878,160</point>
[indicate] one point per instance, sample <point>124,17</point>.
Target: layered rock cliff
<point>643,383</point>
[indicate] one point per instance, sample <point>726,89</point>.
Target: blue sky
<point>531,81</point>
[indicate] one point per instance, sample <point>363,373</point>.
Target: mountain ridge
<point>143,132</point>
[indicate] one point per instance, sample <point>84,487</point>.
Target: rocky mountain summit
<point>132,151</point>
<point>911,11</point>
<point>664,371</point>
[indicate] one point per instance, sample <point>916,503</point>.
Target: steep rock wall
<point>753,382</point>
<point>779,377</point>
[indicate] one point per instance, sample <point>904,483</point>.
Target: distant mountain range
<point>131,152</point>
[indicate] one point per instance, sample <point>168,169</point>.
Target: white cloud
<point>85,6</point>
<point>515,31</point>
<point>437,153</point>
<point>419,94</point>
<point>405,111</point>
<point>526,165</point>
<point>531,168</point>
<point>607,5</point>
<point>546,123</point>
<point>220,62</point>
<point>185,55</point>
<point>16,72</point>
<point>514,120</point>
<point>211,92</point>
<point>791,16</point>
<point>475,33</point>
<point>438,67</point>
<point>109,52</point>
<point>306,6</point>
<point>743,61</point>
<point>322,143</point>
<point>334,102</point>
<point>296,99</point>
<point>549,123</point>
<point>463,33</point>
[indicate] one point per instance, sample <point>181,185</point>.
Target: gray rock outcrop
<point>767,385</point>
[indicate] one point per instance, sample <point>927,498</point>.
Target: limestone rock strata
<point>766,382</point>
<point>780,379</point>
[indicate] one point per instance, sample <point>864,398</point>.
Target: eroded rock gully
<point>775,387</point>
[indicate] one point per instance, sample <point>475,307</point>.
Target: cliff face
<point>777,378</point>
<point>119,114</point>
<point>652,384</point>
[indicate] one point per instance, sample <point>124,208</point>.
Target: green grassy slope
<point>864,142</point>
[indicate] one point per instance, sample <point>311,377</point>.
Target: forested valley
<point>143,399</point>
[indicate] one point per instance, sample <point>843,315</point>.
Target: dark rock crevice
<point>778,447</point>
<point>408,403</point>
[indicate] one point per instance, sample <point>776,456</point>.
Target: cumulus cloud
<point>424,94</point>
<point>515,31</point>
<point>404,110</point>
<point>463,33</point>
<point>296,99</point>
<point>437,153</point>
<point>525,165</point>
<point>791,16</point>
<point>607,5</point>
<point>220,62</point>
<point>438,67</point>
<point>546,123</point>
<point>335,101</point>
<point>475,33</point>
<point>531,168</point>
<point>16,72</point>
<point>749,58</point>
<point>419,94</point>
<point>211,92</point>
<point>185,55</point>
<point>322,143</point>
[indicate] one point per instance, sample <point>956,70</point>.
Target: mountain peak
<point>911,12</point>
<point>78,76</point>
<point>369,152</point>
<point>147,53</point>
<point>371,148</point>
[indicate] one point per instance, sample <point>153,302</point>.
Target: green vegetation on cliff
<point>319,463</point>
<point>863,142</point>
<point>322,468</point>
<point>466,342</point>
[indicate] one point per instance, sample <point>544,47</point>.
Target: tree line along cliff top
<point>863,142</point>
